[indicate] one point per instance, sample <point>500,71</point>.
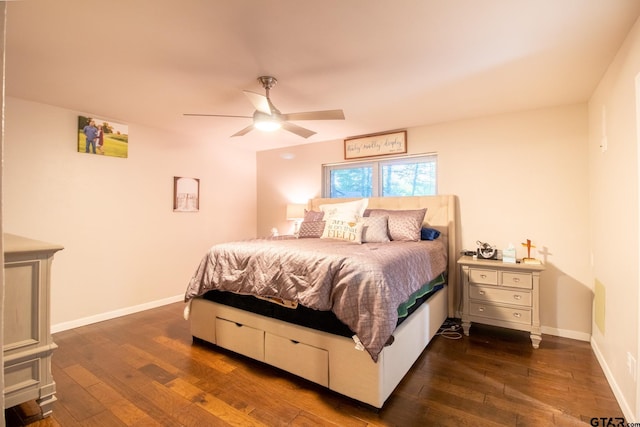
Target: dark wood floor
<point>143,370</point>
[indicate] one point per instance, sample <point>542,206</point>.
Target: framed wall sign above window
<point>380,144</point>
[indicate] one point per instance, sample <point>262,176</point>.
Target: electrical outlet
<point>631,365</point>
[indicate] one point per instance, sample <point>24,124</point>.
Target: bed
<point>365,367</point>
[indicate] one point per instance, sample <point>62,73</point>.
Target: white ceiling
<point>389,64</point>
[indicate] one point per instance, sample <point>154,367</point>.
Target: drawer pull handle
<point>481,292</point>
<point>480,309</point>
<point>483,276</point>
<point>517,315</point>
<point>516,280</point>
<point>517,297</point>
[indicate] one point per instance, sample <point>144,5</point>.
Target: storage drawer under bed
<point>292,356</point>
<point>240,338</point>
<point>298,358</point>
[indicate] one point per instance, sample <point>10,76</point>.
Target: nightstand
<point>501,294</point>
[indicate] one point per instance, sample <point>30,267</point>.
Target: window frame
<point>376,172</point>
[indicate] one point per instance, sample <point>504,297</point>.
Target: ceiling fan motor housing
<point>267,82</point>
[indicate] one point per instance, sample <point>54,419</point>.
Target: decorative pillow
<point>346,211</point>
<point>343,230</point>
<point>429,233</point>
<point>313,215</point>
<point>403,224</point>
<point>375,229</point>
<point>311,229</point>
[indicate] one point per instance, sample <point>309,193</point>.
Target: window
<point>406,176</point>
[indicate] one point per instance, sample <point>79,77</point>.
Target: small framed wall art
<point>102,137</point>
<point>186,194</point>
<point>379,144</point>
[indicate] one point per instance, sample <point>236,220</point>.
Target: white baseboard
<point>59,327</point>
<point>624,405</point>
<point>566,333</point>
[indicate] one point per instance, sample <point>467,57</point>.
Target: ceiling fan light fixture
<point>267,125</point>
<point>266,122</point>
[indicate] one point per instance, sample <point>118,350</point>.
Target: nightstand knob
<point>517,297</point>
<point>481,292</point>
<point>484,276</point>
<point>480,309</point>
<point>517,315</point>
<point>516,280</point>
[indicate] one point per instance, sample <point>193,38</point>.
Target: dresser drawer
<point>485,277</point>
<point>516,280</point>
<point>22,376</point>
<point>508,296</point>
<point>298,358</point>
<point>240,338</point>
<point>505,314</point>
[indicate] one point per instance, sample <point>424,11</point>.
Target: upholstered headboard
<point>441,214</point>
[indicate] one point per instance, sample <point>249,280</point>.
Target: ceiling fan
<point>268,118</point>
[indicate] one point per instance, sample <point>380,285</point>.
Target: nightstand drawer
<point>485,277</point>
<point>508,296</point>
<point>505,314</point>
<point>516,280</point>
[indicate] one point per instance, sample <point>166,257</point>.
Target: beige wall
<point>124,246</point>
<point>518,176</point>
<point>614,216</point>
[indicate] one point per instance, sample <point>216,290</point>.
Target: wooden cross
<point>528,245</point>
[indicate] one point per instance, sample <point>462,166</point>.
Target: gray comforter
<point>362,284</point>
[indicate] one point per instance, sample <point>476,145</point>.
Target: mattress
<point>325,321</point>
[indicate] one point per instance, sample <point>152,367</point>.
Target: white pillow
<point>343,230</point>
<point>346,211</point>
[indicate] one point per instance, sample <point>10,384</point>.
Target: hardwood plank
<point>80,404</point>
<point>130,414</point>
<point>81,375</point>
<point>221,410</point>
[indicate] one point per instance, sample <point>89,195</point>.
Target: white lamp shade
<point>295,211</point>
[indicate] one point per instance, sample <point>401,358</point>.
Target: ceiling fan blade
<point>260,102</point>
<point>215,115</point>
<point>243,131</point>
<point>315,115</point>
<point>298,130</point>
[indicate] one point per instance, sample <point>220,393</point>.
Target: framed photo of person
<point>102,137</point>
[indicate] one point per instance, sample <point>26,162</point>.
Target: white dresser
<point>27,342</point>
<point>501,294</point>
